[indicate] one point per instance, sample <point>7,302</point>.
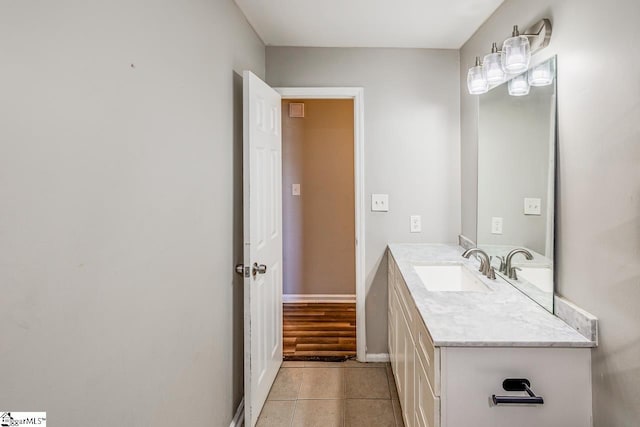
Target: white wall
<point>120,181</point>
<point>598,188</point>
<point>412,150</point>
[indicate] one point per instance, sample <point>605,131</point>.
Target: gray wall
<point>412,150</point>
<point>120,181</point>
<point>515,137</point>
<point>598,188</point>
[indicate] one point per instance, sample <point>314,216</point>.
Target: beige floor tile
<point>322,383</point>
<point>392,384</point>
<point>367,383</point>
<point>397,412</point>
<point>276,413</point>
<point>287,384</point>
<point>293,364</point>
<point>319,413</point>
<point>368,413</point>
<point>355,364</point>
<point>311,364</point>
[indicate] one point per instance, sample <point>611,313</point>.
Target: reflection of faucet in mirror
<point>511,271</point>
<point>485,262</point>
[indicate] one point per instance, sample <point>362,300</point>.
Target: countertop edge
<point>583,342</point>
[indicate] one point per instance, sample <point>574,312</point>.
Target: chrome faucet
<point>511,271</point>
<point>485,262</point>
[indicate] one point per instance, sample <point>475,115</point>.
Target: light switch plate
<point>532,206</point>
<point>416,223</point>
<point>496,225</point>
<point>295,189</point>
<point>379,202</point>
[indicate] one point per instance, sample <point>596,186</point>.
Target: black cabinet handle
<point>517,384</point>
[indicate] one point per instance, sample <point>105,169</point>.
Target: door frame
<point>357,94</point>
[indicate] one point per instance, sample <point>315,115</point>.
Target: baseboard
<point>238,418</point>
<point>319,298</point>
<point>377,357</point>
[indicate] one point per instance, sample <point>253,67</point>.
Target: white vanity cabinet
<point>452,386</point>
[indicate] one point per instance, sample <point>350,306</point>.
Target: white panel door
<point>262,175</point>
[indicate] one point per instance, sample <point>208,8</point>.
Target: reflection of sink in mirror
<point>541,278</point>
<point>452,278</point>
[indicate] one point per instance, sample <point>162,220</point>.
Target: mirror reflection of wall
<point>516,177</point>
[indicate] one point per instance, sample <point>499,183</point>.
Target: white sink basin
<point>449,278</point>
<point>541,278</point>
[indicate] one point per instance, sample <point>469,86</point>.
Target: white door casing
<point>357,94</point>
<point>262,188</point>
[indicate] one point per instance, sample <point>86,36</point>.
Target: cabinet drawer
<point>427,405</point>
<point>405,299</point>
<point>428,354</point>
<point>562,376</point>
<point>391,271</point>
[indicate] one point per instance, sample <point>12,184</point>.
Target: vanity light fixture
<point>477,79</point>
<point>493,66</point>
<point>542,75</point>
<point>516,53</point>
<point>515,57</point>
<point>519,85</point>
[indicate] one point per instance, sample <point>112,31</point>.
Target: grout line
<point>344,395</point>
<point>393,408</point>
<point>293,413</point>
<point>344,402</point>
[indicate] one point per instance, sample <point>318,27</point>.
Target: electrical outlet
<point>496,225</point>
<point>532,206</point>
<point>295,189</point>
<point>380,202</point>
<point>416,223</point>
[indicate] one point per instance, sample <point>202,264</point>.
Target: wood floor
<point>319,331</point>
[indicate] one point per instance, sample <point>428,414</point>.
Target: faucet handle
<point>512,273</point>
<point>482,266</point>
<point>491,274</point>
<point>502,267</point>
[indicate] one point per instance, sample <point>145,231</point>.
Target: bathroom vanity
<point>455,336</point>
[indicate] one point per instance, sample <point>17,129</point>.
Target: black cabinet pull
<point>517,384</point>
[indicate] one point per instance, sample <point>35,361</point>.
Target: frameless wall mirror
<point>516,179</point>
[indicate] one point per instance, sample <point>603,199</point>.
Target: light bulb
<point>477,79</point>
<point>493,66</point>
<point>542,75</point>
<point>516,53</point>
<point>519,85</point>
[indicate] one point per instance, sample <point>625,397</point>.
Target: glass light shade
<point>516,55</point>
<point>519,85</point>
<point>542,75</point>
<point>477,80</point>
<point>493,67</point>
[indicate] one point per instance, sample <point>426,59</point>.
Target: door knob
<point>258,269</point>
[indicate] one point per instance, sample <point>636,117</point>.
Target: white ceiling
<point>442,24</point>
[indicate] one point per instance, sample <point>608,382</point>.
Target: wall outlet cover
<point>532,206</point>
<point>379,202</point>
<point>496,225</point>
<point>416,223</point>
<point>295,189</point>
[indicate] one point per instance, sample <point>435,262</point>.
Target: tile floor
<point>323,394</point>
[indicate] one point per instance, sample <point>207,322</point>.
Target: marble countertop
<point>502,317</point>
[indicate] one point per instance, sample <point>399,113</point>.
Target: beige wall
<point>121,189</point>
<point>319,225</point>
<point>411,146</point>
<point>598,182</point>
